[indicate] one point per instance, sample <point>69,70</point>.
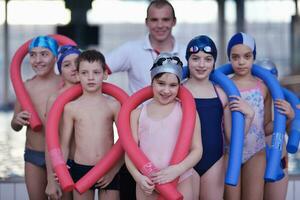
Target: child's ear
<point>105,74</point>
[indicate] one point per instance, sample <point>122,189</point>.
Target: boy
<point>90,118</point>
<point>42,57</point>
<point>66,65</point>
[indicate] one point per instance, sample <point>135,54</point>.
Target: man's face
<point>160,22</point>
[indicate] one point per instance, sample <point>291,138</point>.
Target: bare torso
<point>39,91</point>
<point>93,126</point>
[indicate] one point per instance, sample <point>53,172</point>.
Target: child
<point>241,52</point>
<point>90,118</point>
<point>42,57</point>
<point>155,127</point>
<point>278,190</point>
<point>211,103</point>
<point>66,64</point>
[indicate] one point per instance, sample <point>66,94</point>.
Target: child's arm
<point>53,190</point>
<point>173,171</point>
<point>20,118</point>
<point>66,130</point>
<point>143,181</point>
<point>282,106</point>
<point>238,104</point>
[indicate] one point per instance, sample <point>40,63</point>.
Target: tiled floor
<point>16,190</point>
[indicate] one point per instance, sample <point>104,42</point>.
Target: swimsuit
<point>35,157</point>
<point>210,112</point>
<point>158,137</point>
<point>77,171</point>
<point>254,140</point>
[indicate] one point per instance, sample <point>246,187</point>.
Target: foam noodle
<point>56,157</point>
<point>237,127</point>
<point>52,139</point>
<point>294,134</point>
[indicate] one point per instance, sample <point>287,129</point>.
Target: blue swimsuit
<point>210,112</point>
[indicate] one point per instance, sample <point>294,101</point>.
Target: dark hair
<point>160,4</point>
<point>91,56</point>
<point>157,76</point>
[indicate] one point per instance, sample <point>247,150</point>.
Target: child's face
<point>241,57</point>
<point>91,75</point>
<point>68,68</point>
<point>165,88</point>
<point>42,60</point>
<point>200,65</point>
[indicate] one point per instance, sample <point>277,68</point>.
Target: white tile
<point>7,191</point>
<point>290,191</point>
<point>21,191</point>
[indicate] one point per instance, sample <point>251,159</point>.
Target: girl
<point>241,52</point>
<point>211,103</point>
<point>66,65</point>
<point>155,127</point>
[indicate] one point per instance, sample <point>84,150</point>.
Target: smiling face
<point>200,65</point>
<point>160,21</point>
<point>165,88</point>
<point>242,59</point>
<point>68,69</point>
<point>91,75</point>
<point>42,61</point>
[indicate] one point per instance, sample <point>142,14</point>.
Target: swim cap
<point>46,42</point>
<point>201,43</point>
<point>268,65</point>
<point>241,38</point>
<point>166,62</point>
<point>65,51</point>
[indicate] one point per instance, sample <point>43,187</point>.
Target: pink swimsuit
<point>255,140</point>
<point>158,137</point>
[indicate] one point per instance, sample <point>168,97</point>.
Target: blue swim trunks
<point>35,157</point>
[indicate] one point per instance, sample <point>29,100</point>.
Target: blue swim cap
<point>201,43</point>
<point>241,38</point>
<point>46,42</point>
<point>65,51</point>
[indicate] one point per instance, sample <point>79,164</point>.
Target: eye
<point>209,59</point>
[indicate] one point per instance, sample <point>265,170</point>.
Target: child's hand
<point>238,104</point>
<point>285,108</point>
<point>106,179</point>
<point>166,175</point>
<point>22,118</point>
<point>53,190</point>
<point>146,184</point>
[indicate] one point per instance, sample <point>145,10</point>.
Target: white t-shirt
<point>136,58</point>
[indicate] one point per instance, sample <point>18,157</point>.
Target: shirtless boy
<point>42,57</point>
<point>66,65</point>
<point>91,118</point>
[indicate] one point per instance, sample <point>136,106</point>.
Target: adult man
<point>136,57</point>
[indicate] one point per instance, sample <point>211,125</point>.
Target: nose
<point>90,76</point>
<point>166,90</point>
<point>38,58</point>
<point>159,23</point>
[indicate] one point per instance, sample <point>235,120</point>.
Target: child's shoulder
<point>113,103</point>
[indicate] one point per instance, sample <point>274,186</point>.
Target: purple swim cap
<point>65,51</point>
